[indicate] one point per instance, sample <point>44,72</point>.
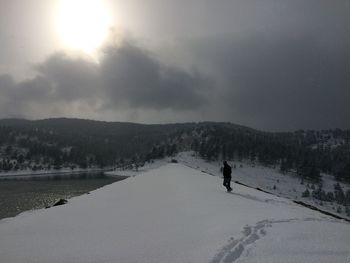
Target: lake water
<point>21,194</point>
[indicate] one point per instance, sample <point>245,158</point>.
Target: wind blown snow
<point>174,214</point>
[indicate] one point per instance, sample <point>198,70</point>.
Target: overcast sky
<point>267,64</point>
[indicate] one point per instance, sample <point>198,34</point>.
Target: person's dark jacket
<point>227,171</point>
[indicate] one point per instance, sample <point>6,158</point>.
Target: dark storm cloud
<point>294,83</point>
<point>58,80</point>
<point>133,75</point>
<point>285,83</point>
<point>291,72</point>
<point>70,79</point>
<point>272,64</point>
<point>127,76</point>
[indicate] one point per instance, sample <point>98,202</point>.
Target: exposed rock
<point>60,202</point>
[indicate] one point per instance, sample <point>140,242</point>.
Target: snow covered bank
<point>269,179</point>
<point>174,214</point>
<point>133,172</point>
<point>29,173</point>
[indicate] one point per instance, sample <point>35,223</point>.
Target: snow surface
<point>174,214</point>
<point>147,166</point>
<point>255,175</point>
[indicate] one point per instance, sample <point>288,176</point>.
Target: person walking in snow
<point>227,176</point>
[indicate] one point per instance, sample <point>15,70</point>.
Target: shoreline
<point>9,175</point>
<point>116,178</point>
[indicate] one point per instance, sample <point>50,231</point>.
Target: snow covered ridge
<point>271,180</point>
<point>174,214</point>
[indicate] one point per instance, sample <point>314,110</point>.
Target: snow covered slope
<point>270,180</point>
<point>174,214</point>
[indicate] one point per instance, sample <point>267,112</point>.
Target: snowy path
<point>174,214</point>
<point>234,248</point>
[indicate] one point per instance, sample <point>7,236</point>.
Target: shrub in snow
<point>347,211</point>
<point>330,197</point>
<point>319,194</point>
<point>347,198</point>
<point>306,193</point>
<point>339,194</point>
<point>339,210</point>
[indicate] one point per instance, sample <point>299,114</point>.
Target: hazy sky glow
<point>268,64</point>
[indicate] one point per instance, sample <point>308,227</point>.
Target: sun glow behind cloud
<point>82,25</point>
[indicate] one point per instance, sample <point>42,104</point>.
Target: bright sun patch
<point>82,24</point>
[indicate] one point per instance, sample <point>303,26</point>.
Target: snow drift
<point>174,214</point>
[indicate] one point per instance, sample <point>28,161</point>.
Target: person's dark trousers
<point>227,182</point>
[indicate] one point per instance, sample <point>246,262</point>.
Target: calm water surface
<point>22,194</point>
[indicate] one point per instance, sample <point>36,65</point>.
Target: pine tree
<point>224,152</point>
<point>283,166</point>
<point>195,145</point>
<point>347,211</point>
<point>306,193</point>
<point>339,210</point>
<point>330,197</point>
<point>339,194</point>
<point>347,198</point>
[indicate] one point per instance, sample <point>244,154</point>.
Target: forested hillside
<point>57,143</point>
<point>305,152</point>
